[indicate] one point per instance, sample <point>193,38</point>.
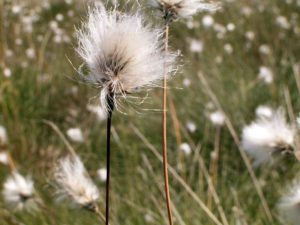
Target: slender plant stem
<point>108,135</point>
<point>164,131</point>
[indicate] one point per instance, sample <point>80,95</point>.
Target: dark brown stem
<point>110,103</point>
<point>164,131</point>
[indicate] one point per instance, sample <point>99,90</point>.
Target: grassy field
<point>38,83</point>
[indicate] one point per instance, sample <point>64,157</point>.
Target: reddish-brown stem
<point>164,131</point>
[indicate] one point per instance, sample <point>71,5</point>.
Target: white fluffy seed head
<point>75,134</point>
<point>173,9</point>
<point>74,183</point>
<point>289,204</point>
<point>3,136</point>
<point>266,136</point>
<point>4,158</point>
<point>122,53</point>
<point>19,193</point>
<point>185,148</point>
<point>264,111</point>
<point>217,118</point>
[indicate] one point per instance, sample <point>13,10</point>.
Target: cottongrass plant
<point>19,193</point>
<point>123,55</point>
<point>74,184</point>
<point>172,10</point>
<point>289,204</point>
<point>268,136</point>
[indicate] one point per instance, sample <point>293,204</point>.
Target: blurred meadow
<point>242,56</point>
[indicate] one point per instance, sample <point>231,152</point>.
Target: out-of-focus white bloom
<point>290,204</point>
<point>208,21</point>
<point>265,49</point>
<point>172,9</point>
<point>217,118</point>
<point>18,192</point>
<point>247,11</point>
<point>265,74</point>
<point>30,53</point>
<point>148,218</point>
<point>18,41</point>
<point>102,174</point>
<point>185,148</point>
<point>122,53</point>
<point>191,126</point>
<point>196,46</point>
<point>75,134</point>
<point>59,17</point>
<point>27,22</point>
<point>267,136</point>
<point>16,9</point>
<point>298,121</point>
<point>3,136</point>
<point>250,35</point>
<point>230,27</point>
<point>228,48</point>
<point>69,2</point>
<point>4,158</point>
<point>74,183</point>
<point>186,82</point>
<point>283,22</point>
<point>98,110</point>
<point>7,72</point>
<point>264,111</point>
<point>219,59</point>
<point>9,53</point>
<point>70,13</point>
<point>53,25</point>
<point>190,23</point>
<point>221,30</point>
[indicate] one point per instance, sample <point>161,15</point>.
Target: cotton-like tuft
<point>19,193</point>
<point>122,53</point>
<point>75,134</point>
<point>264,111</point>
<point>217,118</point>
<point>173,9</point>
<point>74,183</point>
<point>267,136</point>
<point>185,148</point>
<point>3,136</point>
<point>102,174</point>
<point>289,205</point>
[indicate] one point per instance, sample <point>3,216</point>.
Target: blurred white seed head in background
<point>185,148</point>
<point>191,126</point>
<point>3,136</point>
<point>264,111</point>
<point>217,118</point>
<point>196,46</point>
<point>208,21</point>
<point>267,136</point>
<point>102,174</point>
<point>289,204</point>
<point>19,193</point>
<point>75,134</point>
<point>173,9</point>
<point>264,49</point>
<point>4,158</point>
<point>74,183</point>
<point>265,74</point>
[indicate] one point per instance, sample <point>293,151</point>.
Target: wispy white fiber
<point>122,53</point>
<point>74,183</point>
